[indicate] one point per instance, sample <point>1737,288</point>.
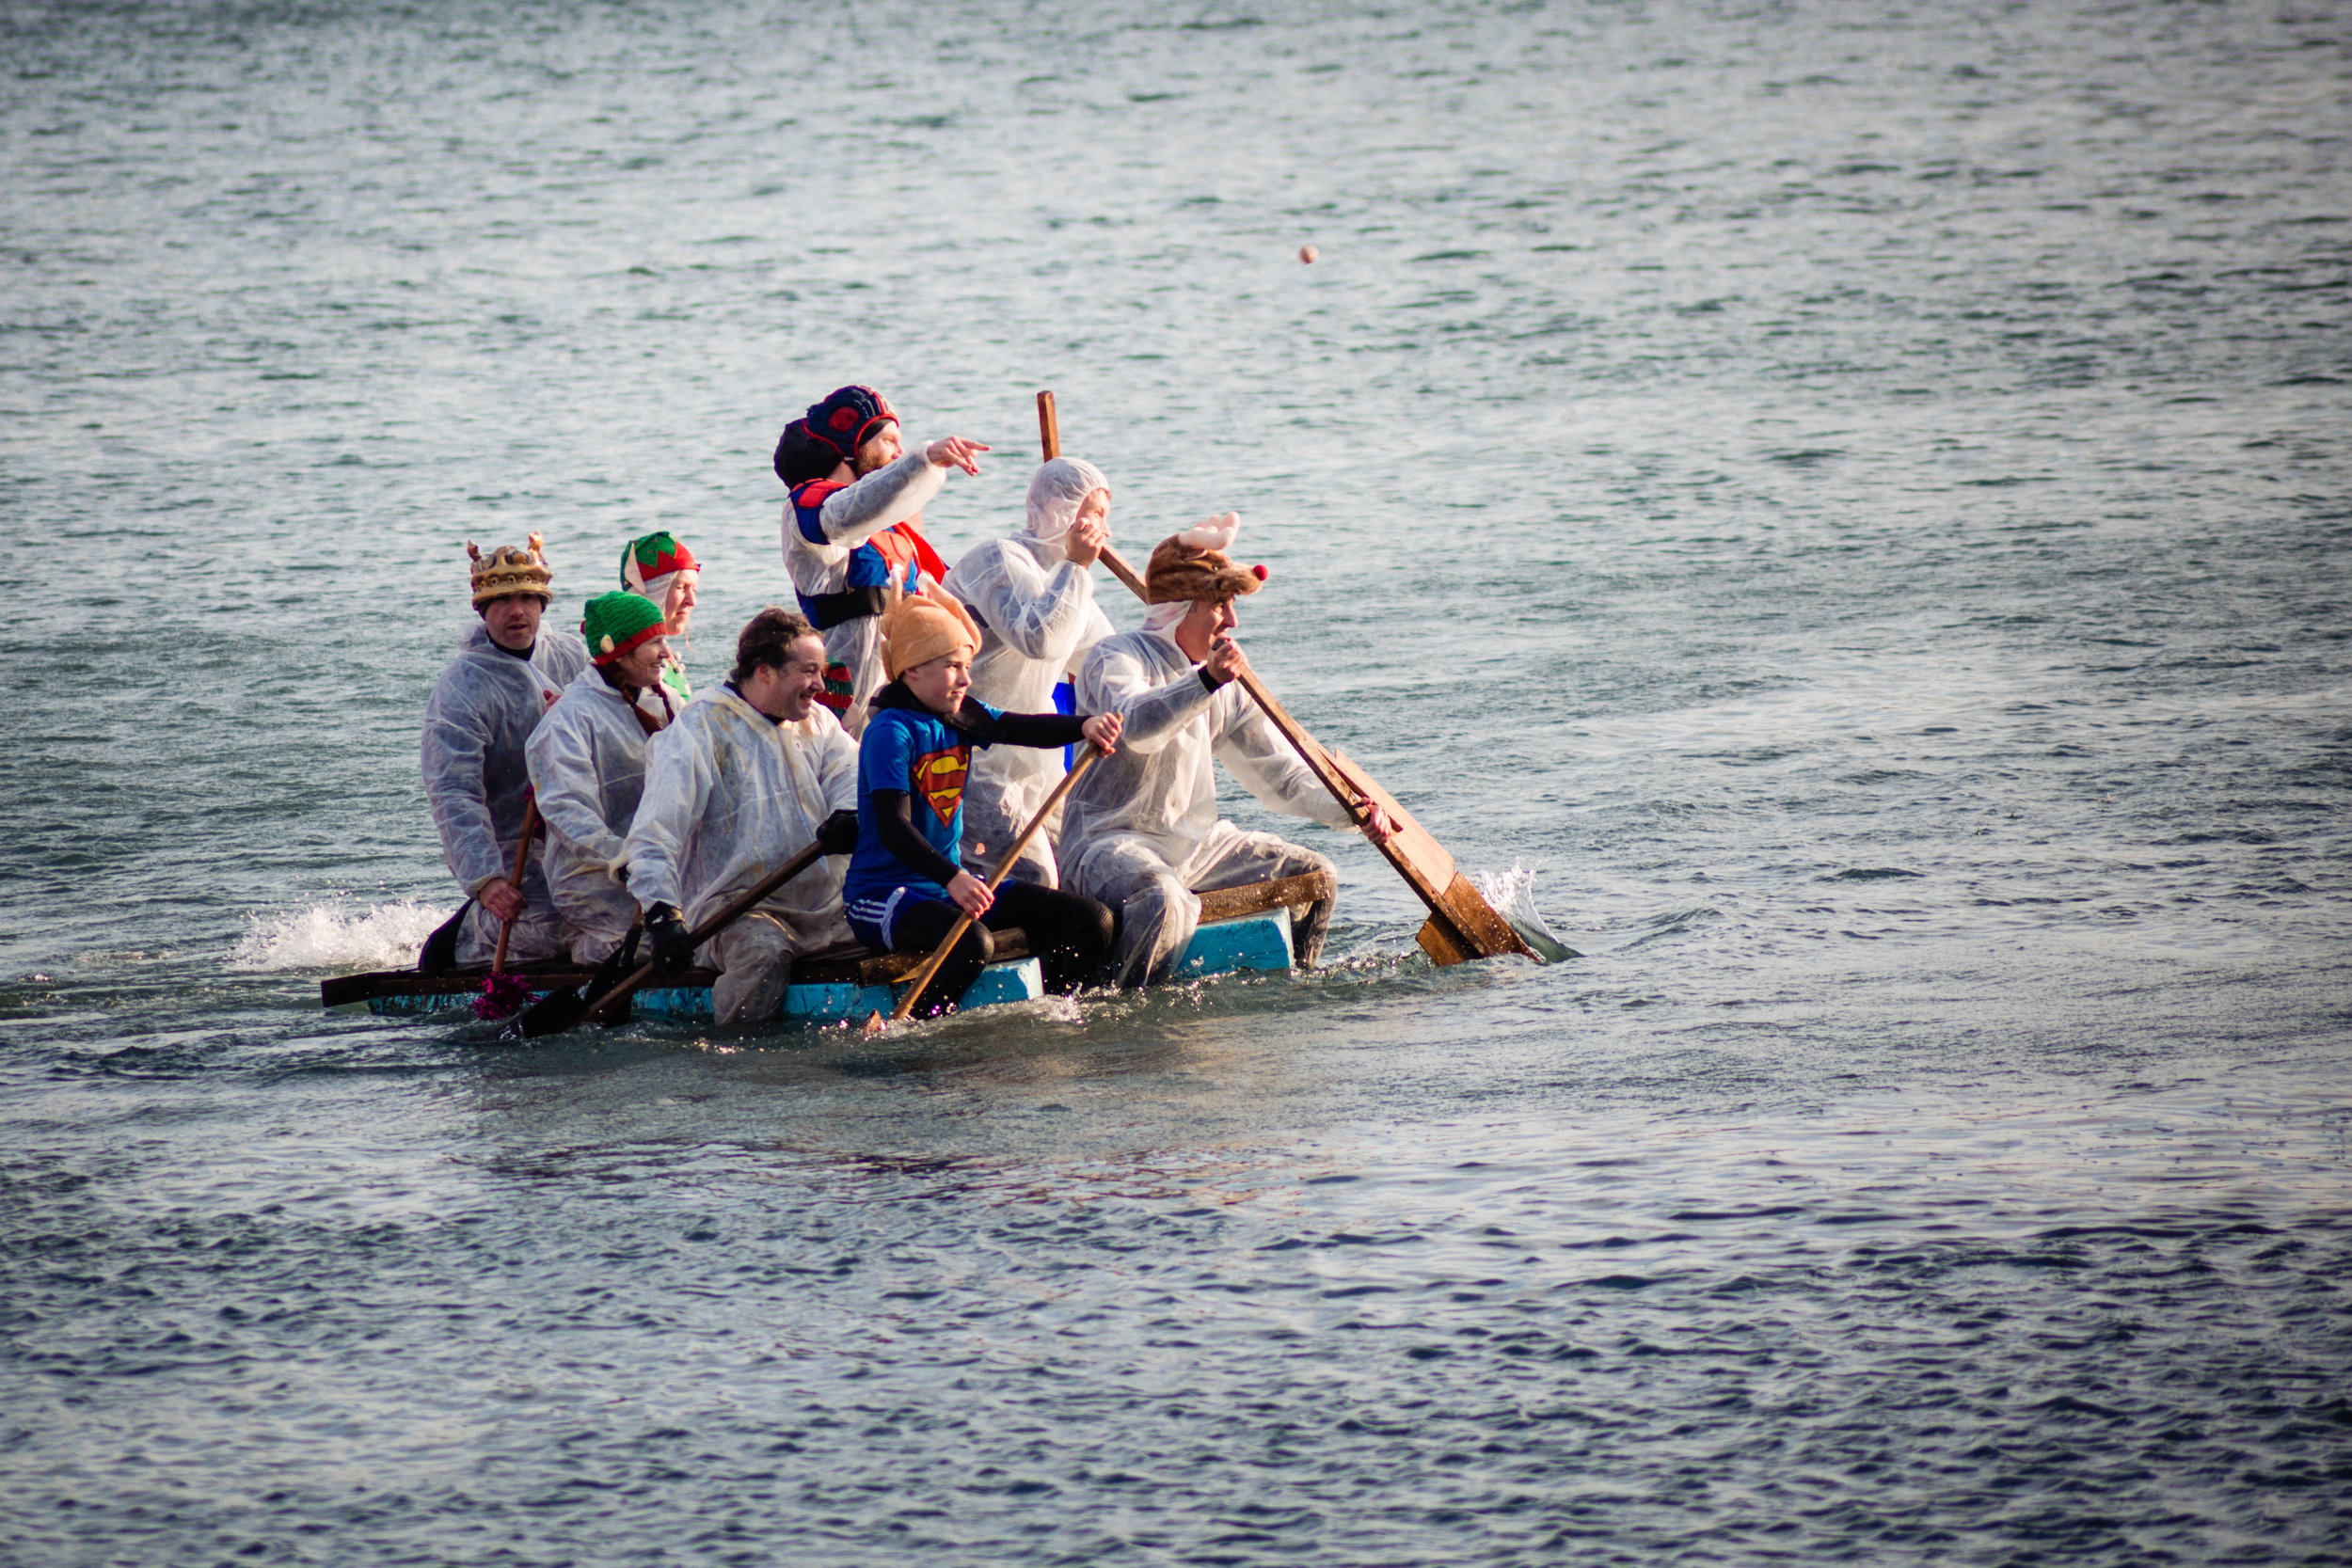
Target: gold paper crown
<point>507,570</point>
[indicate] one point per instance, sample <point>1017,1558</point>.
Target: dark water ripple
<point>1853,502</point>
<point>711,1344</point>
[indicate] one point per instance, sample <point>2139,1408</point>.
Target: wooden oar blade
<point>555,1012</point>
<point>1443,940</point>
<point>1474,922</point>
<point>1414,846</point>
<point>1462,925</point>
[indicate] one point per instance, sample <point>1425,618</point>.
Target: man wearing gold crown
<point>508,673</point>
<point>1140,830</point>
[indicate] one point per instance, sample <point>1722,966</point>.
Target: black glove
<point>837,833</point>
<point>619,967</point>
<point>673,943</point>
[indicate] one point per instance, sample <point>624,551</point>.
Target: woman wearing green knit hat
<point>662,569</point>
<point>587,761</point>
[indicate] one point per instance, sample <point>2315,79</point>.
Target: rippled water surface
<point>1849,499</point>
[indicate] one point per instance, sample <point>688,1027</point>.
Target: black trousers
<point>1069,935</point>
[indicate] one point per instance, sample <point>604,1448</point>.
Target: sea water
<point>1849,499</point>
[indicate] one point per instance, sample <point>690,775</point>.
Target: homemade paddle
<point>874,1024</point>
<point>522,860</point>
<point>1461,924</point>
<point>559,1010</point>
<point>503,993</point>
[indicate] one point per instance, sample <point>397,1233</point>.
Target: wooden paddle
<point>522,860</point>
<point>874,1024</point>
<point>1461,924</point>
<point>564,1009</point>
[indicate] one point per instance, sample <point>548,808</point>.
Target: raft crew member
<point>659,567</point>
<point>507,673</point>
<point>852,530</point>
<point>1140,832</point>
<point>587,764</point>
<point>1033,594</point>
<point>752,771</point>
<point>906,886</point>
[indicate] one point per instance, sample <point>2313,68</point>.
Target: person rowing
<point>1033,595</point>
<point>507,673</point>
<point>852,530</point>
<point>753,771</point>
<point>1140,832</point>
<point>587,761</point>
<point>907,886</point>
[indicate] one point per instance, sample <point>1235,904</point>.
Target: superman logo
<point>939,779</point>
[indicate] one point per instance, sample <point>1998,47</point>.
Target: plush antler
<point>1213,533</point>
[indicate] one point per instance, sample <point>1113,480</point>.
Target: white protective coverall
<point>730,795</point>
<point>587,761</point>
<point>481,712</point>
<point>1140,830</point>
<point>1038,620</point>
<point>849,517</point>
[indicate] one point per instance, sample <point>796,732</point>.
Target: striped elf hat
<point>648,561</point>
<point>615,623</point>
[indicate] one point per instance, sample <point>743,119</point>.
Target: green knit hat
<point>615,623</point>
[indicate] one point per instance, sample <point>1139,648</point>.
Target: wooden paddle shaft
<point>522,860</point>
<point>605,1005</point>
<point>1462,925</point>
<point>1048,427</point>
<point>1003,867</point>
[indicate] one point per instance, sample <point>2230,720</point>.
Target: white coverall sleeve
<point>1114,682</point>
<point>1042,615</point>
<point>1254,752</point>
<point>454,786</point>
<point>887,496</point>
<point>679,777</point>
<point>1097,627</point>
<point>562,760</point>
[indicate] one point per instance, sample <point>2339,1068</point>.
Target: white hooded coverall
<point>1140,830</point>
<point>849,517</point>
<point>587,763</point>
<point>730,795</point>
<point>1038,620</point>
<point>481,711</point>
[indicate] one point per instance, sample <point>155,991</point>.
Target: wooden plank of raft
<point>846,964</point>
<point>1231,903</point>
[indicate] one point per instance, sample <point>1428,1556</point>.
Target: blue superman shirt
<point>907,749</point>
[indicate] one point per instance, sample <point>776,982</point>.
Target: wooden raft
<point>845,964</point>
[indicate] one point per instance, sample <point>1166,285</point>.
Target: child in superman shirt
<point>907,886</point>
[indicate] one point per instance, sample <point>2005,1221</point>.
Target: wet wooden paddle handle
<point>522,860</point>
<point>607,1005</point>
<point>1003,869</point>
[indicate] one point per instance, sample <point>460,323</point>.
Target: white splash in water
<point>339,936</point>
<point>1513,894</point>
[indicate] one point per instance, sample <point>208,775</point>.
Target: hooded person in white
<point>508,673</point>
<point>852,531</point>
<point>752,772</point>
<point>1033,594</point>
<point>1140,830</point>
<point>587,761</point>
